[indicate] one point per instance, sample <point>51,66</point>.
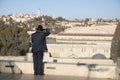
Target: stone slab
<point>84,70</point>
<point>45,77</point>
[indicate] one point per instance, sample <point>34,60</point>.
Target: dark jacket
<point>39,40</point>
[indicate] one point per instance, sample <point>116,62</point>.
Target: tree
<point>13,40</point>
<point>60,19</point>
<point>115,47</point>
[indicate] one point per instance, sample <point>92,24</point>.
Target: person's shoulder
<point>33,33</point>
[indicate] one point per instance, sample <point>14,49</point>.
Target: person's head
<point>40,28</point>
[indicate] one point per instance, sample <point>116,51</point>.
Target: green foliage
<point>117,33</point>
<point>60,19</point>
<point>13,40</point>
<point>115,47</point>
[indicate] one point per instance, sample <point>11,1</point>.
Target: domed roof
<point>98,56</point>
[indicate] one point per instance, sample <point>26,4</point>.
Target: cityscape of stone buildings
<point>88,22</point>
<point>85,34</point>
<point>82,42</point>
<point>20,17</point>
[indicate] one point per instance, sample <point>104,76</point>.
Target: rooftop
<point>103,29</point>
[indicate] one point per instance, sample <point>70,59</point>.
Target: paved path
<point>45,77</point>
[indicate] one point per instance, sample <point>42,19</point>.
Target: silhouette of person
<point>38,47</point>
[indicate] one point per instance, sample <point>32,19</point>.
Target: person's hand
<point>44,27</point>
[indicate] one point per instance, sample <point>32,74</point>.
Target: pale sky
<point>69,9</point>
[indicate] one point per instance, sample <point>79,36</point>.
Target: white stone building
<point>83,42</point>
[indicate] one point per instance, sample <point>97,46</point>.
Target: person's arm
<point>47,31</point>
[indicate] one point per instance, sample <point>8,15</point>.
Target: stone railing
<point>15,58</point>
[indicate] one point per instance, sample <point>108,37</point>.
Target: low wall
<point>67,69</point>
<point>79,50</point>
<point>47,58</point>
<point>83,70</point>
<point>16,58</point>
<point>9,66</point>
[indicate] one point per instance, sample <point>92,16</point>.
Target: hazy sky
<point>69,9</point>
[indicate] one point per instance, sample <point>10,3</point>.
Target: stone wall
<point>16,58</point>
<point>80,50</point>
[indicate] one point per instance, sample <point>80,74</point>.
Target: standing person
<point>38,47</point>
